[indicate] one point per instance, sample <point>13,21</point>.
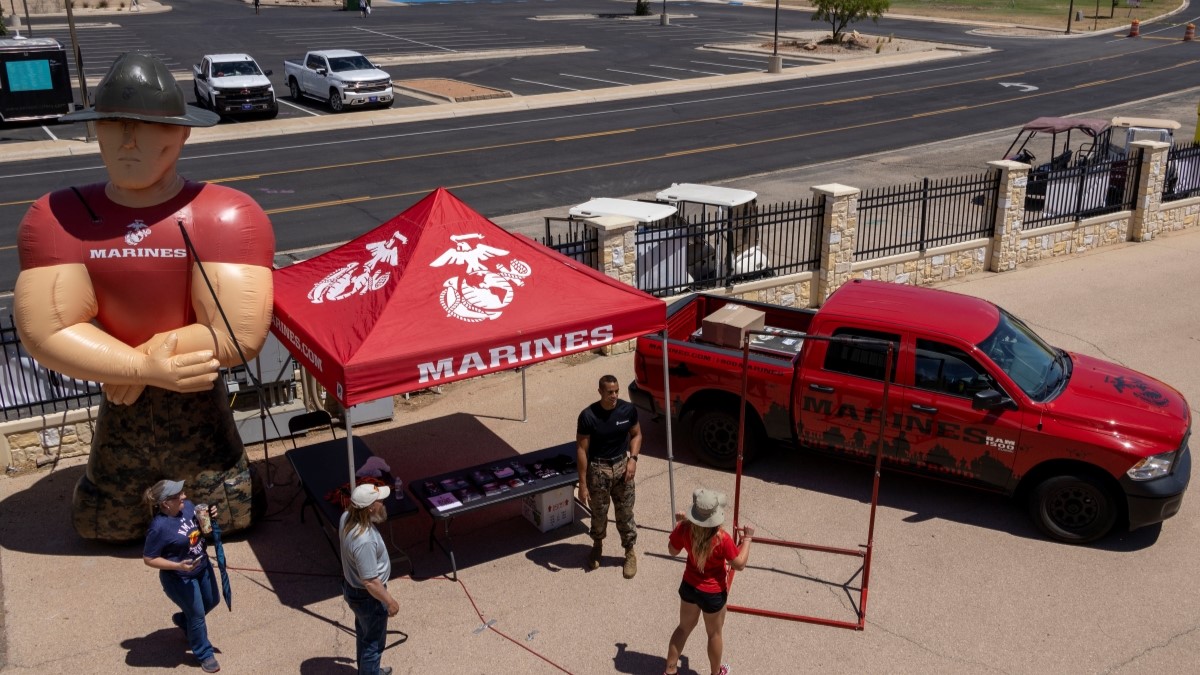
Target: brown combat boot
<point>630,567</point>
<point>593,561</point>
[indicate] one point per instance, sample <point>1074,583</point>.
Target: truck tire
<point>335,101</point>
<point>1073,509</point>
<point>294,89</point>
<point>714,438</point>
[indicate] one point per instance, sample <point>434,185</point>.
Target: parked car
<point>342,78</point>
<point>976,397</point>
<point>232,85</point>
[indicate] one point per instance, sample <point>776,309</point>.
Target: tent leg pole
<point>667,406</point>
<point>349,446</point>
<point>524,409</point>
<point>262,419</point>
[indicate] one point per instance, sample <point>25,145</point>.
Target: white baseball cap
<point>367,494</point>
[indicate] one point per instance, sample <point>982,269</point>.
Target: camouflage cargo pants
<point>188,437</point>
<point>606,484</point>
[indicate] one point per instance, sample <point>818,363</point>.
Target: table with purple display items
<point>454,493</point>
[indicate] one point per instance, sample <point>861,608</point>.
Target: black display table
<point>322,468</point>
<point>560,457</point>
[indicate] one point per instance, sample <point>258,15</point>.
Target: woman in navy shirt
<point>175,547</point>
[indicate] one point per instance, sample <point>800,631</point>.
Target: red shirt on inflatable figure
<point>110,292</point>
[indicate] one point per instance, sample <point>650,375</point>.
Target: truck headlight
<point>1154,466</point>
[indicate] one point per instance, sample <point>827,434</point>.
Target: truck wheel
<point>714,438</point>
<point>1073,509</point>
<point>294,89</point>
<point>335,101</point>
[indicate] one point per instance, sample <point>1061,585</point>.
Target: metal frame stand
<point>867,551</point>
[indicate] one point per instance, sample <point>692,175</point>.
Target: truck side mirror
<point>203,76</point>
<point>267,72</point>
<point>990,399</point>
<point>322,71</point>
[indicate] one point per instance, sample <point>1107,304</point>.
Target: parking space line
<point>657,77</point>
<point>396,37</point>
<point>555,86</point>
<point>724,65</point>
<point>594,79</point>
<point>686,70</point>
<point>297,107</point>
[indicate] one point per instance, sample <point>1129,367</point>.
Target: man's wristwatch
<point>633,457</point>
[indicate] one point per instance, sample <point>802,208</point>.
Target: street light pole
<point>83,93</point>
<point>775,63</point>
<point>1070,16</point>
<point>664,20</point>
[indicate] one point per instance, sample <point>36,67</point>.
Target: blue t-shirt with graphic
<point>177,538</point>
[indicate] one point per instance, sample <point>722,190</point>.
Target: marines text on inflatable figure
<point>112,291</point>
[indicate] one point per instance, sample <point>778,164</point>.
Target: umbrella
<point>225,590</point>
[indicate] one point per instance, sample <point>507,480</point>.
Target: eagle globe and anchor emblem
<point>479,294</point>
<point>493,288</point>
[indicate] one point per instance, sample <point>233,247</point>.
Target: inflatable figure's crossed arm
<point>56,305</point>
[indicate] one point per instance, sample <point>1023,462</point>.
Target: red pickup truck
<point>976,397</point>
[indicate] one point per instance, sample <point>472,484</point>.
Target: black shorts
<point>709,603</point>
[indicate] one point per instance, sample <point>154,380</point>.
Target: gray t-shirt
<point>364,555</point>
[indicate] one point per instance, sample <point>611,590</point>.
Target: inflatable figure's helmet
<point>140,87</point>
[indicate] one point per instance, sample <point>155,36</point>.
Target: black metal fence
<point>1071,194</point>
<point>709,251</point>
<point>574,239</point>
<point>919,216</point>
<point>28,389</point>
<point>1183,172</point>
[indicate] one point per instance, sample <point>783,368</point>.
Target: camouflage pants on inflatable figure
<point>188,437</point>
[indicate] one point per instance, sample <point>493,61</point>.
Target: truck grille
<point>248,98</point>
<point>374,85</point>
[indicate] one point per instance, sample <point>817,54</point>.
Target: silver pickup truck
<point>342,78</point>
<point>233,84</point>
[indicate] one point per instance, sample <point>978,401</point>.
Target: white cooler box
<point>550,509</point>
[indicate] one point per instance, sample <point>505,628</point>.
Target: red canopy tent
<point>439,293</point>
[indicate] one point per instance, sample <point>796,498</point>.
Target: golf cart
<point>660,264</point>
<point>1080,142</point>
<point>739,251</point>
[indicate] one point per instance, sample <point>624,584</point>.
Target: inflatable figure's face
<point>140,155</point>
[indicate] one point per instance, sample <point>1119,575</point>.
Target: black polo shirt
<point>607,430</point>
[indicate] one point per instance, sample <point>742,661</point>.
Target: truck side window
<point>314,62</point>
<point>862,359</point>
<point>948,370</point>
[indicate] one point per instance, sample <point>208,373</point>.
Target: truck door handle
<point>821,388</point>
<point>924,408</point>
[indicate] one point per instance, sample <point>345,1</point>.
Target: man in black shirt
<point>607,442</point>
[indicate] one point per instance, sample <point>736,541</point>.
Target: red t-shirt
<point>713,578</point>
<point>137,260</point>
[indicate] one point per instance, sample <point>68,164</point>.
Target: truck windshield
<point>235,68</point>
<point>344,63</point>
<point>1036,367</point>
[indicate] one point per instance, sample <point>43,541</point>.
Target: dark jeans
<point>370,627</point>
<point>196,597</point>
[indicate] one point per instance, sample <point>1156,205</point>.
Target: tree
<point>842,13</point>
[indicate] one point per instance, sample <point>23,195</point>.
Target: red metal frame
<point>737,493</point>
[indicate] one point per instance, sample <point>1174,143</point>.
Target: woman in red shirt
<point>705,579</point>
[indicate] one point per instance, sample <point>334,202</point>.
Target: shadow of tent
<point>302,570</point>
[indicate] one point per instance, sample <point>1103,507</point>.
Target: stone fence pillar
<point>1010,214</point>
<point>839,238</point>
<point>1146,223</point>
<point>618,259</point>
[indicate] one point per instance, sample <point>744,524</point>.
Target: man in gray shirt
<point>366,568</point>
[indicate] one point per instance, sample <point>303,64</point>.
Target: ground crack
<point>921,646</point>
<point>1153,648</point>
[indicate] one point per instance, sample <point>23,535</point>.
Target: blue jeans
<point>196,597</point>
<point>370,627</point>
